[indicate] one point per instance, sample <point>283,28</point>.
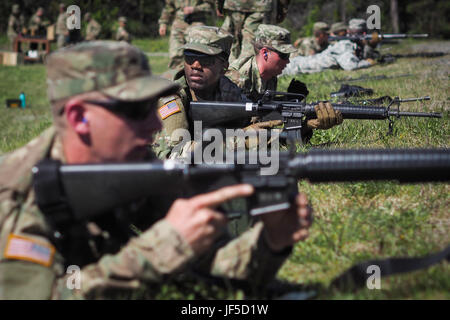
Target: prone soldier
<point>258,73</point>
<point>37,245</point>
<point>366,49</point>
<point>206,55</point>
<point>184,13</point>
<point>315,44</point>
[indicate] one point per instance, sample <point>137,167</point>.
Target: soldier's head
<point>122,21</point>
<point>357,26</point>
<point>273,47</point>
<point>40,11</point>
<point>321,30</point>
<point>62,7</point>
<point>206,55</point>
<point>87,17</point>
<point>338,29</point>
<point>103,97</point>
<point>15,9</point>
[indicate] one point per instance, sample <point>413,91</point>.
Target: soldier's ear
<point>76,116</point>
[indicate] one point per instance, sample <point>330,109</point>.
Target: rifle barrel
<point>415,114</point>
<point>413,165</point>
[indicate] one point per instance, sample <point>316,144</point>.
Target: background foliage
<point>420,16</point>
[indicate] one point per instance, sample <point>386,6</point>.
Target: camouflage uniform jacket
<point>339,55</point>
<point>15,25</point>
<point>174,10</point>
<point>179,119</point>
<point>245,5</point>
<point>309,46</point>
<point>123,35</point>
<point>38,24</point>
<point>34,258</point>
<point>245,73</point>
<point>61,26</point>
<point>93,29</point>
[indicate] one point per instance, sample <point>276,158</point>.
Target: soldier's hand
<point>162,30</point>
<point>371,61</point>
<point>188,10</point>
<point>327,117</point>
<point>375,40</point>
<point>196,220</point>
<point>283,229</point>
<point>219,13</point>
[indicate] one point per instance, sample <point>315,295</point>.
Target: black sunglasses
<point>131,110</point>
<point>205,60</point>
<point>283,56</point>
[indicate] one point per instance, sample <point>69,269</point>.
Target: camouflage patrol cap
<point>116,69</point>
<point>274,37</point>
<point>357,24</point>
<point>123,19</point>
<point>62,5</point>
<point>321,26</point>
<point>15,8</point>
<point>338,26</point>
<point>208,40</point>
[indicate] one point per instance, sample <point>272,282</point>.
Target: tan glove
<point>252,141</point>
<point>327,117</point>
<point>371,61</point>
<point>375,40</point>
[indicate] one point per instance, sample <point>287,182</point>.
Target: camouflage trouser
<point>61,41</point>
<point>243,25</point>
<point>176,41</point>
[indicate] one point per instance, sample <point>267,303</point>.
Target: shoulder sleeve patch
<point>168,109</point>
<point>28,249</point>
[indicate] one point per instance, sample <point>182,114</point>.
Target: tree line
<point>419,16</point>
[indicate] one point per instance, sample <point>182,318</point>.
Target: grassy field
<point>354,222</point>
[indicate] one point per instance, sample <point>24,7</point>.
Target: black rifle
<point>389,58</point>
<point>294,113</point>
<point>89,190</point>
<point>366,78</point>
<point>378,36</point>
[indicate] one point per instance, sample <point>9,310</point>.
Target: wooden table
<point>21,39</point>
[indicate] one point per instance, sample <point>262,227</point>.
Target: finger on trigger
<point>214,198</point>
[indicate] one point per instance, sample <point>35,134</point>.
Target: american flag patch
<point>169,109</point>
<point>23,248</point>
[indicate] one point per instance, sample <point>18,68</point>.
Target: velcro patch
<point>24,248</point>
<point>168,109</point>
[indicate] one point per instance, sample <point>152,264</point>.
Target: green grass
<point>354,222</point>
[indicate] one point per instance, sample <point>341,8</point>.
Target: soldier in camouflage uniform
<point>36,246</point>
<point>38,26</point>
<point>315,44</point>
<point>342,54</point>
<point>242,18</point>
<point>366,49</point>
<point>16,23</point>
<point>183,13</point>
<point>338,29</point>
<point>61,27</point>
<point>206,55</point>
<point>122,34</point>
<point>93,28</point>
<point>258,73</point>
